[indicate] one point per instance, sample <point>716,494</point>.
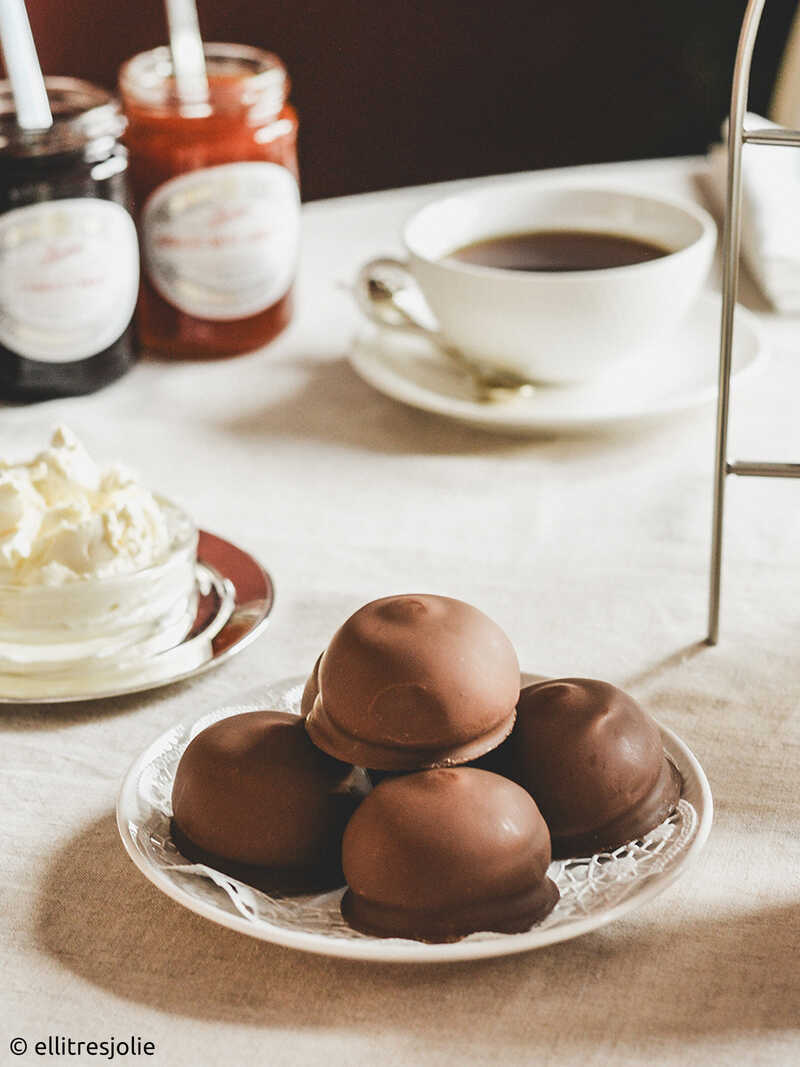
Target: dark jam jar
<point>69,262</point>
<point>215,186</point>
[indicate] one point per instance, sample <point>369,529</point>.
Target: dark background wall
<point>404,91</point>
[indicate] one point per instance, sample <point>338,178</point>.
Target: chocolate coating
<point>440,854</point>
<point>254,798</point>
<point>410,682</point>
<point>594,763</point>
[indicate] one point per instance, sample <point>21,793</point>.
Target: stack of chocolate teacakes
<point>413,688</point>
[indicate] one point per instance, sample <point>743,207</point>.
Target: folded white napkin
<point>770,215</point>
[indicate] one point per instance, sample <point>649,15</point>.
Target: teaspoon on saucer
<point>378,291</point>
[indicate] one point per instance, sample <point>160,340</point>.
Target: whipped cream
<point>96,572</point>
<point>63,518</point>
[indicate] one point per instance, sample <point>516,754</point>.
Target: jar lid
<point>240,76</point>
<point>83,114</point>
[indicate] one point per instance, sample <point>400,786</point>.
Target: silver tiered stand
<point>738,136</point>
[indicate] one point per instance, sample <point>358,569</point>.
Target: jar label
<point>221,243</point>
<point>69,278</point>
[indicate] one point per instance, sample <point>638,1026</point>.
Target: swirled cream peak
<point>62,518</point>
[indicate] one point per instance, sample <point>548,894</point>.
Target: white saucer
<point>235,598</point>
<point>672,376</point>
<point>594,890</point>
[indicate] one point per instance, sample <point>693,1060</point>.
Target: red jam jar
<point>217,201</point>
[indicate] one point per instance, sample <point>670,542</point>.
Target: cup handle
<point>383,289</point>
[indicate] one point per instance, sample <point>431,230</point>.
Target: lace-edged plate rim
<point>595,890</point>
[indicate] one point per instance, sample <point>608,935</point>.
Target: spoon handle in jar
<point>22,65</point>
<point>188,56</point>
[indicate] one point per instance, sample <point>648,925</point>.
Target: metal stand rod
<point>764,470</point>
<point>772,137</point>
<point>731,241</point>
<point>737,137</point>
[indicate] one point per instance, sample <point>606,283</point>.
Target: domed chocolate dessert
<point>594,763</point>
<point>410,682</point>
<point>440,854</point>
<point>254,798</point>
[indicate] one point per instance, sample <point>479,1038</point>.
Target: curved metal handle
<point>379,289</point>
<point>731,240</point>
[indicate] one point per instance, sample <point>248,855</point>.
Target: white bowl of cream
<point>95,569</point>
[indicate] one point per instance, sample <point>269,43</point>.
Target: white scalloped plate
<point>594,890</point>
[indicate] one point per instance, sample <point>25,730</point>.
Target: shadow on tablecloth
<point>23,717</point>
<point>333,405</point>
<point>652,977</point>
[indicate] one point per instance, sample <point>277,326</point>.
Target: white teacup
<point>558,327</point>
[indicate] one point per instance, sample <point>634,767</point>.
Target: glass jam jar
<point>215,186</point>
<point>69,260</point>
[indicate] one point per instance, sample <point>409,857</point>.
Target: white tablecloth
<point>591,553</point>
